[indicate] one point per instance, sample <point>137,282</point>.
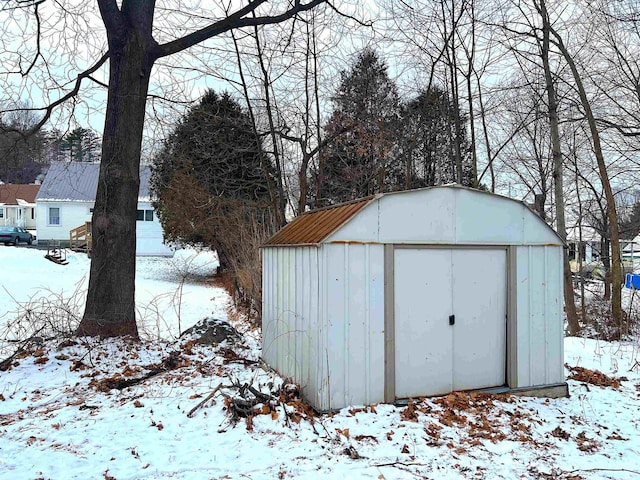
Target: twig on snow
<point>569,472</point>
<point>207,398</point>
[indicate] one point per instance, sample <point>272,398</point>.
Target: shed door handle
<point>452,319</point>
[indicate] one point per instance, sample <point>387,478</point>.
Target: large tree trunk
<point>612,216</point>
<point>569,301</point>
<point>110,307</point>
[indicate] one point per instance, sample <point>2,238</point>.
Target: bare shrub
<point>597,322</point>
<point>45,315</point>
<point>248,227</point>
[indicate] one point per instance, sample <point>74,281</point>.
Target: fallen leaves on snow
<point>594,377</point>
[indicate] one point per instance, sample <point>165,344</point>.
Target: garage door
<point>450,320</point>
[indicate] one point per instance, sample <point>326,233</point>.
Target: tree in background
<point>378,144</point>
<point>363,125</point>
<point>22,156</point>
<point>630,223</point>
<point>427,140</point>
<point>80,145</point>
<point>210,181</point>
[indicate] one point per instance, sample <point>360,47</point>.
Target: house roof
<point>313,227</point>
<point>78,182</point>
<point>10,193</point>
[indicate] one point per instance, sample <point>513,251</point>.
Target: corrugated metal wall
<point>290,318</point>
<point>538,309</point>
<point>353,299</point>
<point>323,320</point>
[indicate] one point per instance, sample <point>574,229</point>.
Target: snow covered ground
<point>64,413</point>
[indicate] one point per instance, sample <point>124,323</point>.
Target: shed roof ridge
<point>343,204</point>
<point>316,226</point>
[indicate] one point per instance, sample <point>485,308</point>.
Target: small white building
<point>65,202</point>
<point>412,294</point>
<point>18,205</point>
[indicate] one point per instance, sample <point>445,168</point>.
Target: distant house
<point>584,243</point>
<point>66,199</point>
<point>631,249</point>
<point>18,205</point>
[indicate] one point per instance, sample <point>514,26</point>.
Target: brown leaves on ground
<point>409,414</point>
<point>365,409</point>
<point>481,416</point>
<point>594,377</point>
<point>560,433</point>
<point>158,425</point>
<point>363,438</point>
<point>586,444</point>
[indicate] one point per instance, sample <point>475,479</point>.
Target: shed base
<point>556,390</point>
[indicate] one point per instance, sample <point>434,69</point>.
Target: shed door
<point>430,285</point>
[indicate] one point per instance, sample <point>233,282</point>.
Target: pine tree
<point>362,127</point>
<point>81,145</point>
<point>211,176</point>
<point>427,141</point>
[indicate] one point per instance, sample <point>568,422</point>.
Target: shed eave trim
<point>281,245</point>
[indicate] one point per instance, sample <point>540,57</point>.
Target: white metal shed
<point>415,293</point>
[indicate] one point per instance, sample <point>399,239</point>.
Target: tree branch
<point>51,107</point>
<point>38,51</point>
<point>22,4</point>
<point>236,20</point>
<point>111,16</point>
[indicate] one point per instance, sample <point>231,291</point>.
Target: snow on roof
<point>78,182</point>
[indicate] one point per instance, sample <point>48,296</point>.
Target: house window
<point>144,215</point>
<point>54,216</point>
<point>1,213</point>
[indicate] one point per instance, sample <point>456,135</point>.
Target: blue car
<point>15,235</point>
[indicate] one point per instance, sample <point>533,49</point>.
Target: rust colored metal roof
<point>313,227</point>
<point>10,193</point>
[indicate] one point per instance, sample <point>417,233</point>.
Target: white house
<point>18,205</point>
<point>413,294</point>
<point>66,198</point>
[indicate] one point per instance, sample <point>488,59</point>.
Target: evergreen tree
<point>81,145</point>
<point>358,159</point>
<point>375,144</point>
<point>427,142</point>
<point>210,178</point>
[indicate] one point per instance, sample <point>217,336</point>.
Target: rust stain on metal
<point>313,227</point>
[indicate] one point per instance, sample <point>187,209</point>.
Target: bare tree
<point>558,177</point>
<point>612,217</point>
<point>134,47</point>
